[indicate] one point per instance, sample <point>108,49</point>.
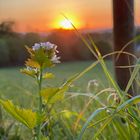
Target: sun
<point>66,24</point>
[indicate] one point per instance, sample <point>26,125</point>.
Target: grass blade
<point>133,75</point>
<point>93,115</point>
<point>129,102</point>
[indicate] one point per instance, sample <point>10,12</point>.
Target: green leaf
<point>25,116</point>
<point>39,58</point>
<point>48,75</point>
<point>31,73</point>
<point>54,94</point>
<point>42,58</point>
<point>32,63</point>
<point>50,94</point>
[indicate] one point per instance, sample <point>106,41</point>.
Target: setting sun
<point>66,24</point>
<point>63,23</point>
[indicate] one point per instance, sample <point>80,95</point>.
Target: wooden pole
<point>124,31</point>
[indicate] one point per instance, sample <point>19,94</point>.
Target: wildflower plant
<point>42,56</point>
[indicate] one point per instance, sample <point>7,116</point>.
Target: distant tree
<point>31,38</point>
<point>16,49</point>
<point>6,28</point>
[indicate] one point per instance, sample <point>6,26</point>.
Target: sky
<point>44,15</point>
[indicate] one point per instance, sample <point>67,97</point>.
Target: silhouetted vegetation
<point>6,28</point>
<point>12,44</point>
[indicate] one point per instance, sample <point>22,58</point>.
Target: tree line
<point>70,46</point>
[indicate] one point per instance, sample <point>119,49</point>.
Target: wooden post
<point>124,31</point>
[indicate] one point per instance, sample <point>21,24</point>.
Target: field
<point>22,90</point>
<point>18,87</point>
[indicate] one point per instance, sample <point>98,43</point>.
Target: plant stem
<point>40,103</point>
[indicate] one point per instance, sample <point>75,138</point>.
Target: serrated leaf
<point>27,72</point>
<point>39,58</point>
<point>30,51</point>
<point>25,116</point>
<point>49,93</point>
<point>48,75</point>
<point>54,94</point>
<point>32,63</point>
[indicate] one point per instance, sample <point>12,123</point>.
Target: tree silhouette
<point>6,28</point>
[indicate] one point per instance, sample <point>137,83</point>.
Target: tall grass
<point>119,120</point>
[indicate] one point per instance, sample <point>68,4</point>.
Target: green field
<point>16,86</point>
<point>22,90</point>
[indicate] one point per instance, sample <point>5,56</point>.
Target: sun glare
<point>63,23</point>
<point>66,24</point>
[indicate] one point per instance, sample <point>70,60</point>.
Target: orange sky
<point>43,15</point>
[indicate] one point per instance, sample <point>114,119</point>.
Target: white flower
<point>43,44</point>
<point>55,59</point>
<point>47,46</point>
<point>36,46</point>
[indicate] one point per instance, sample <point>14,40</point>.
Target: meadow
<point>22,90</point>
<point>18,87</point>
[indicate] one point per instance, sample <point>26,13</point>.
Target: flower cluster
<point>51,50</point>
<point>42,55</point>
<point>45,45</point>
